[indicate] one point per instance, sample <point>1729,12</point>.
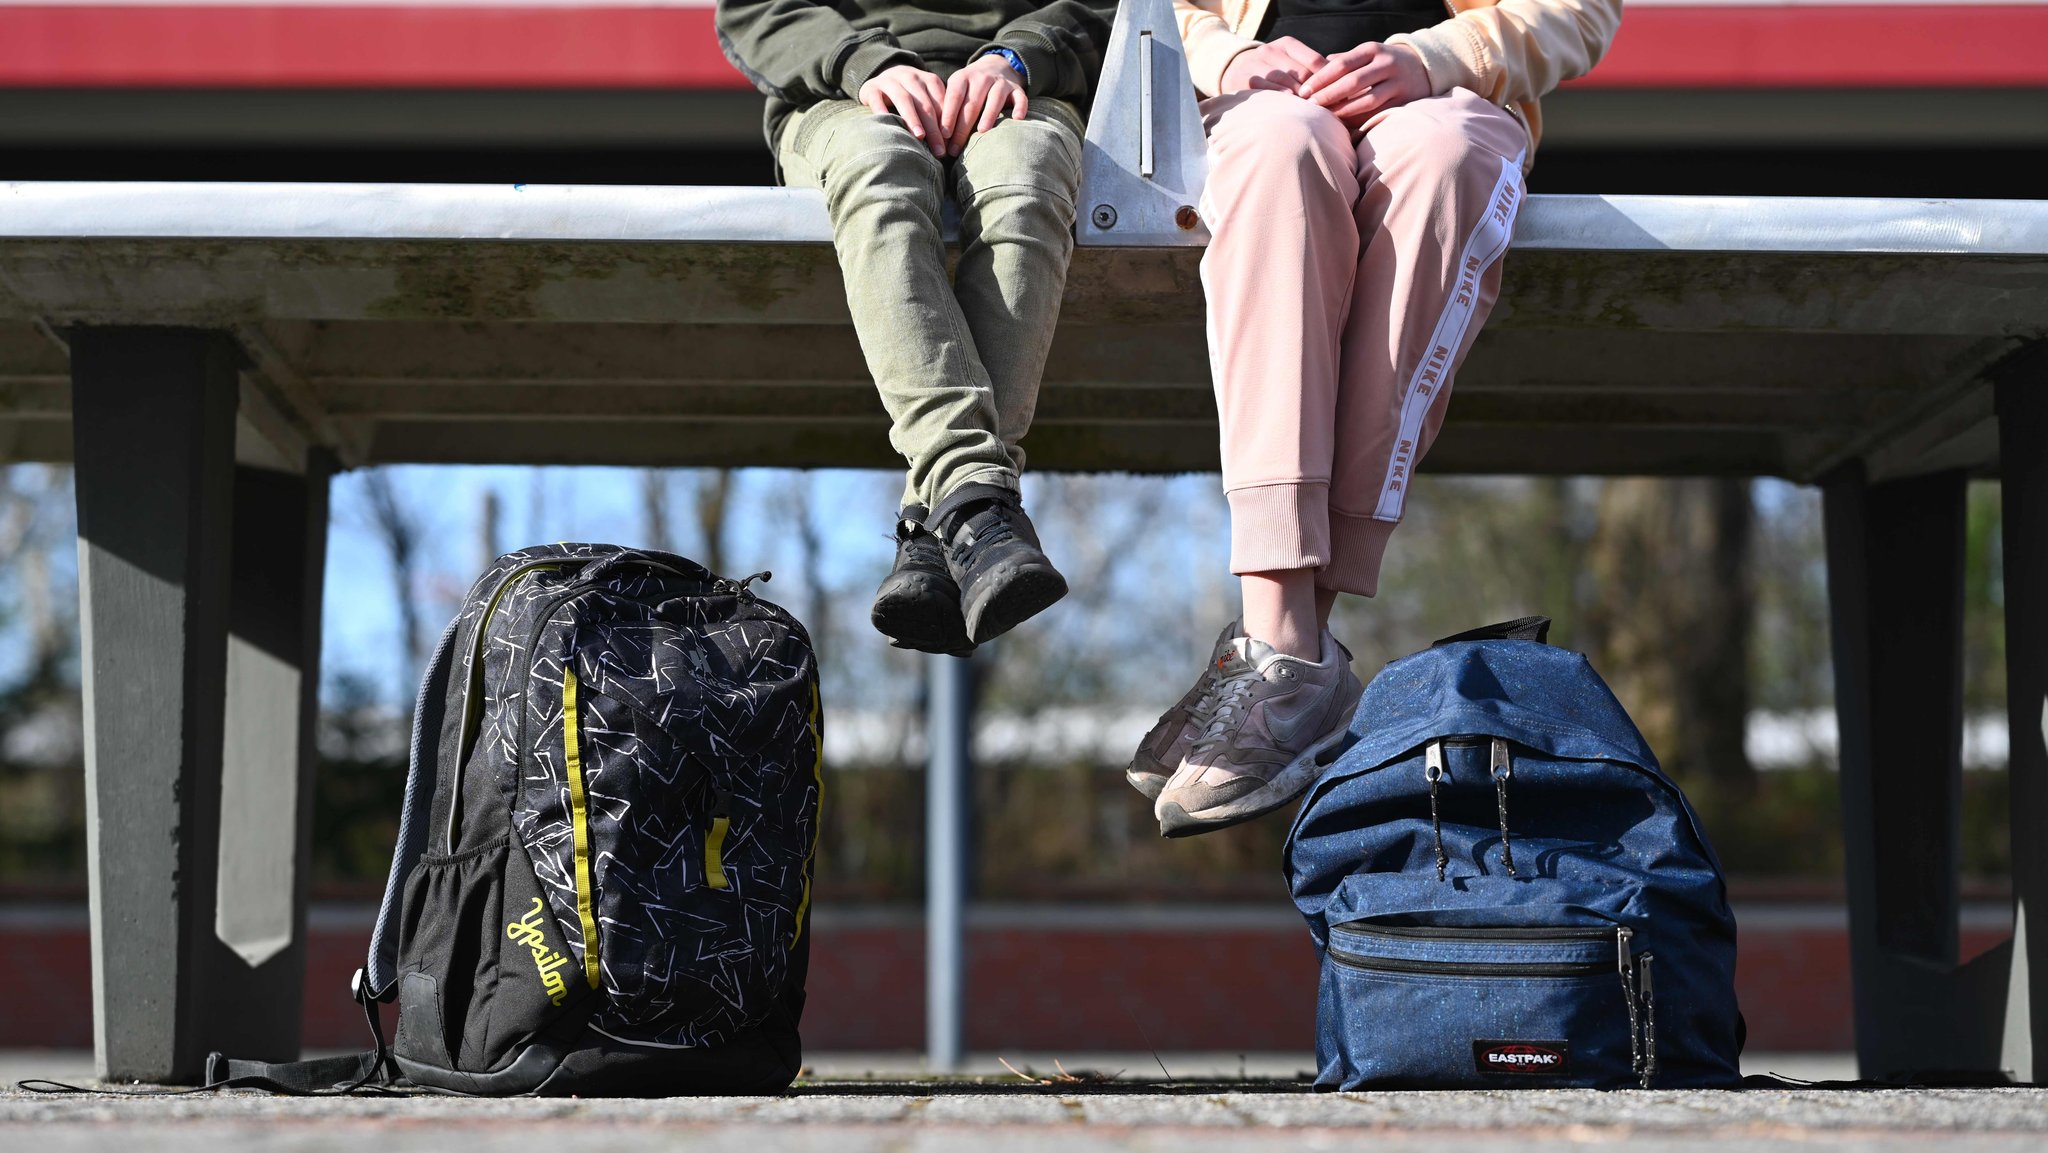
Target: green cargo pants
<point>957,363</point>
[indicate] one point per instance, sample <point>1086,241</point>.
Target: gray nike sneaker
<point>1162,750</point>
<point>1274,714</point>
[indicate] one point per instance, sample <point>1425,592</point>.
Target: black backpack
<point>602,880</point>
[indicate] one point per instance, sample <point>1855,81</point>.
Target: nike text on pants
<point>1346,280</point>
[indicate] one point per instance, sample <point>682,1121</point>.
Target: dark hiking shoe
<point>1163,749</point>
<point>993,552</point>
<point>918,605</point>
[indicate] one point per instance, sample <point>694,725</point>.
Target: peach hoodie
<point>1511,52</point>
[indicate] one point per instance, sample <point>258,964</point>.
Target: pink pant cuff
<point>1275,527</point>
<point>1357,545</point>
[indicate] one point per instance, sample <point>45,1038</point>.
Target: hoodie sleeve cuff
<point>1041,63</point>
<point>871,58</point>
<point>1210,56</point>
<point>1451,57</point>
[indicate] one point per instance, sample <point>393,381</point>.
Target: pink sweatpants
<point>1346,280</point>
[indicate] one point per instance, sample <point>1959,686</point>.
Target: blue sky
<point>541,505</point>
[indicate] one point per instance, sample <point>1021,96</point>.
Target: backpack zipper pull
<point>1433,771</point>
<point>739,587</point>
<point>1503,770</point>
<point>1622,936</point>
<point>1649,997</point>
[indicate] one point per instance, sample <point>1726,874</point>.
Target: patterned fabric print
<point>508,613</point>
<point>686,704</point>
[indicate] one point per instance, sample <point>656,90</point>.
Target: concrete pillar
<point>153,414</point>
<point>257,974</point>
<point>2023,466</point>
<point>1895,588</point>
<point>200,584</point>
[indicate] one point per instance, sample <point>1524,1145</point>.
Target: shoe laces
<point>988,529</point>
<point>1230,692</point>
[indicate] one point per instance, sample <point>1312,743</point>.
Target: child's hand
<point>1367,79</point>
<point>976,97</point>
<point>1278,66</point>
<point>913,94</point>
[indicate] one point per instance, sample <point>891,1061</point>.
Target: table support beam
<point>154,436</point>
<point>2023,451</point>
<point>1895,588</point>
<point>257,975</point>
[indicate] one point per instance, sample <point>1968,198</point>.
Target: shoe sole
<point>1286,786</point>
<point>1014,594</point>
<point>916,618</point>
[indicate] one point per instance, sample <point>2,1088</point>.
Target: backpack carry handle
<point>1520,629</point>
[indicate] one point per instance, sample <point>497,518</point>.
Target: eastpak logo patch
<point>1523,1058</point>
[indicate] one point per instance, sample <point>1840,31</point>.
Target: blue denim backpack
<point>1505,889</point>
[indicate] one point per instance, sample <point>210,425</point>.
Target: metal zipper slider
<point>1503,771</point>
<point>1433,772</point>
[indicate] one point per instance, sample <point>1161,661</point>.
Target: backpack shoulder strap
<point>381,971</point>
<point>319,1077</point>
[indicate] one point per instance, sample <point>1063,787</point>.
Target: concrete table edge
<point>61,210</point>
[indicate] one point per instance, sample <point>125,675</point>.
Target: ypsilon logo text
<point>1539,1058</point>
<point>527,931</point>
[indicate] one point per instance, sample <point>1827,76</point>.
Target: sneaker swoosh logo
<point>1287,728</point>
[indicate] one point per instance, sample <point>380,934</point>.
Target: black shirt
<point>1332,26</point>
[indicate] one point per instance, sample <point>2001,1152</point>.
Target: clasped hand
<point>946,113</point>
<point>1353,85</point>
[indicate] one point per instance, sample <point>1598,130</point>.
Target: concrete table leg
<point>153,413</point>
<point>2023,456</point>
<point>255,999</point>
<point>1895,586</point>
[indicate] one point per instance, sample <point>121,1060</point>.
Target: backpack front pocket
<point>1499,1006</point>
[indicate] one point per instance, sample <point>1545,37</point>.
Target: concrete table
<point>207,354</point>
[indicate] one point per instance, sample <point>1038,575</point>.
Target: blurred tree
<point>1670,626</point>
<point>713,502</point>
<point>1791,665</point>
<point>1470,551</point>
<point>797,504</point>
<point>489,538</point>
<point>654,534</point>
<point>1983,602</point>
<point>399,530</point>
<point>42,777</point>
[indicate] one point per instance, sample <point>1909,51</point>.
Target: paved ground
<point>854,1116</point>
<point>76,1066</point>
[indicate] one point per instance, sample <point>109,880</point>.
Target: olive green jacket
<point>800,52</point>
